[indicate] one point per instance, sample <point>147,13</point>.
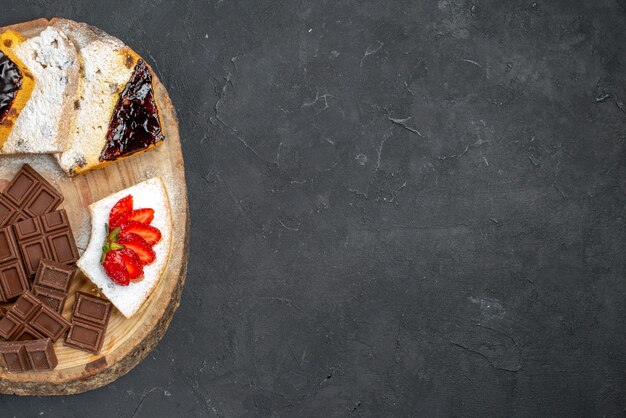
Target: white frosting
<point>128,299</point>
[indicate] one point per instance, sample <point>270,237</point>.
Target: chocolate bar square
<point>42,201</point>
<point>26,333</point>
<point>21,186</point>
<point>9,324</point>
<point>53,275</point>
<point>85,337</point>
<point>8,247</point>
<point>54,221</point>
<point>13,280</point>
<point>25,307</point>
<point>52,283</point>
<point>14,356</point>
<point>62,247</point>
<point>7,211</point>
<point>41,355</point>
<point>94,310</point>
<point>53,299</point>
<point>49,323</point>
<point>27,228</point>
<point>32,253</point>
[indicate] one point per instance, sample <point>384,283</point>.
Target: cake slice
<point>136,220</point>
<point>16,83</point>
<point>116,114</point>
<point>36,123</point>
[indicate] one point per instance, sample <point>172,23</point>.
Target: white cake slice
<point>108,67</point>
<point>128,299</point>
<point>42,126</point>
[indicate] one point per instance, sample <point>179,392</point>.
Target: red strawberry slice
<point>114,267</point>
<point>144,216</point>
<point>149,233</point>
<point>139,245</point>
<point>132,263</point>
<point>122,266</point>
<point>125,204</point>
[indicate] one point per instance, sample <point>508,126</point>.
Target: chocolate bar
<point>45,237</point>
<point>90,318</point>
<point>52,282</point>
<point>13,279</point>
<point>30,319</point>
<point>22,356</point>
<point>28,195</point>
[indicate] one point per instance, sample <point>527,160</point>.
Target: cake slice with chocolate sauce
<point>38,80</point>
<point>16,83</point>
<point>116,114</point>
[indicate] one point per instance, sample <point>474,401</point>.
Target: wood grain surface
<point>127,341</point>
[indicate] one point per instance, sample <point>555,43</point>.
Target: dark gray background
<point>398,208</point>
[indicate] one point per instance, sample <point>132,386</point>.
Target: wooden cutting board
<point>127,341</point>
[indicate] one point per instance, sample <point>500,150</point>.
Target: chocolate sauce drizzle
<point>10,83</point>
<point>135,125</point>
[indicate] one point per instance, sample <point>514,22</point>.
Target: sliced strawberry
<point>144,216</point>
<point>139,245</point>
<point>114,267</point>
<point>122,266</point>
<point>125,204</point>
<point>149,233</point>
<point>132,263</point>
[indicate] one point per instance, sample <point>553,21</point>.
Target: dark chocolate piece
<point>49,323</point>
<point>30,318</point>
<point>135,125</point>
<point>92,309</point>
<point>90,318</point>
<point>45,237</point>
<point>85,336</point>
<point>53,299</point>
<point>52,282</point>
<point>13,279</point>
<point>26,333</point>
<point>41,355</point>
<point>26,307</point>
<point>55,276</point>
<point>27,195</point>
<point>14,357</point>
<point>22,356</point>
<point>9,324</point>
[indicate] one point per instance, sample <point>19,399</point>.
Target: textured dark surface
<point>398,209</point>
